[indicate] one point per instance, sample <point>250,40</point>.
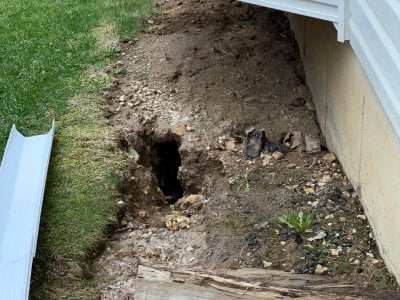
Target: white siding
<point>329,10</point>
<point>374,31</point>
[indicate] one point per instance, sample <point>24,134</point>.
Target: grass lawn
<point>47,48</point>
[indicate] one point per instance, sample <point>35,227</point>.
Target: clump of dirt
<point>203,74</point>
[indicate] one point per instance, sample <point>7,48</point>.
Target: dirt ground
<point>186,94</point>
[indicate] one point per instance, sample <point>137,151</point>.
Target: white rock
<point>326,179</point>
<point>362,217</point>
<point>267,264</point>
<point>319,236</point>
<point>335,252</point>
<point>320,270</point>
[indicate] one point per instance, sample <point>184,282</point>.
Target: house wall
<point>357,127</point>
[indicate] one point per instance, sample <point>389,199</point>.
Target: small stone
<point>120,203</point>
<point>175,223</point>
<point>277,155</point>
<point>346,194</point>
<point>320,235</point>
<point>190,200</point>
<point>230,145</point>
<point>326,179</point>
<point>369,254</point>
<point>142,214</point>
<point>265,160</point>
<point>330,157</point>
<point>342,219</point>
<point>267,264</point>
<point>283,243</point>
<point>254,141</point>
<point>294,140</point>
<point>313,145</point>
<point>180,131</point>
<point>122,98</point>
<point>124,222</point>
<point>329,217</point>
<point>362,217</point>
<point>189,249</point>
<point>356,262</point>
<point>130,104</point>
<point>335,252</point>
<point>151,22</point>
<point>377,263</point>
<point>321,270</point>
<point>309,191</point>
<point>291,166</point>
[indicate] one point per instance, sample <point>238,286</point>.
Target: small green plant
<point>243,182</point>
<point>299,223</point>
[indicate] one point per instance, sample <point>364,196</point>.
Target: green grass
<point>45,45</point>
<point>51,53</point>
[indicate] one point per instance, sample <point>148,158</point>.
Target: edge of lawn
<point>82,188</point>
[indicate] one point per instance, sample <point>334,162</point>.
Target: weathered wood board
<point>163,283</point>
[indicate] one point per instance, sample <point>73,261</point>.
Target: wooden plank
<point>163,283</point>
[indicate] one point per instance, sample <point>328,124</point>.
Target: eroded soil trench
<point>185,96</point>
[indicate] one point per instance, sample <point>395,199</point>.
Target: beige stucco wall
<point>356,128</point>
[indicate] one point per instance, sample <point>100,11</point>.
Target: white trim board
<point>330,10</point>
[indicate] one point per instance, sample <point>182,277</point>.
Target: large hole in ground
<point>165,162</point>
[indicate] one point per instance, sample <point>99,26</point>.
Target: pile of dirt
<point>186,97</point>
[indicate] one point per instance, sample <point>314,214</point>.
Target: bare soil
<point>184,94</point>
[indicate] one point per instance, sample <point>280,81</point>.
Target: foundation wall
<point>356,127</point>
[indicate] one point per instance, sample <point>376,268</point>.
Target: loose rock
<point>321,270</point>
<point>313,145</point>
<point>176,223</point>
<point>294,140</point>
<point>267,264</point>
<point>319,236</point>
<point>190,200</point>
<point>254,142</point>
<point>330,157</point>
<point>179,131</point>
<point>362,217</point>
<point>277,155</point>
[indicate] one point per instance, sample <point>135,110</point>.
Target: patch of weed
<point>298,223</point>
<point>243,182</point>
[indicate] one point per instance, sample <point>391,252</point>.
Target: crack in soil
<point>203,74</point>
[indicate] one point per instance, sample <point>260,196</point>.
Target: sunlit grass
<point>44,48</point>
<point>50,52</point>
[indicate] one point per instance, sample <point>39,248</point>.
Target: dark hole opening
<point>166,161</point>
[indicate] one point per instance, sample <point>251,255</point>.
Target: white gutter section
<point>330,10</point>
<point>22,181</point>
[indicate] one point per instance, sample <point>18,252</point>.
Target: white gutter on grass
<point>22,181</point>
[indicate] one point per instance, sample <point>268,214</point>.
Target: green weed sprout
<point>298,223</point>
<point>244,181</point>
